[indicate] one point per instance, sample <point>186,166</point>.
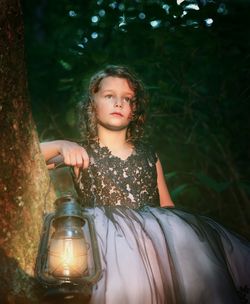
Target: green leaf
<point>178,191</point>
<point>170,175</point>
<point>212,183</point>
<point>65,65</point>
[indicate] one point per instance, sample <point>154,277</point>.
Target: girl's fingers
<point>75,155</point>
<point>72,158</point>
<point>85,157</point>
<point>66,158</point>
<point>80,158</point>
<point>51,166</point>
<point>76,171</point>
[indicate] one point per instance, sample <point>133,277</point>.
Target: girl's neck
<point>114,140</point>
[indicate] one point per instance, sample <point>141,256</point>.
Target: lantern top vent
<point>67,206</point>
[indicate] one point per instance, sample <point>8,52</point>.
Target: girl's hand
<point>73,154</point>
<point>65,151</point>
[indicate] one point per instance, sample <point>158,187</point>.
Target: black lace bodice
<point>110,180</point>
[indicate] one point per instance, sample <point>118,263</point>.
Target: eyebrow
<point>110,90</point>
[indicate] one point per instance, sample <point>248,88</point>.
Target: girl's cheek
<point>130,115</point>
<point>132,110</point>
<point>98,112</point>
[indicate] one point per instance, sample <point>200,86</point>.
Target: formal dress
<point>154,255</point>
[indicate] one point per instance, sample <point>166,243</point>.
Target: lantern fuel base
<point>68,261</point>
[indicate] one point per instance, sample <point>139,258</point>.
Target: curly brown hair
<point>87,114</point>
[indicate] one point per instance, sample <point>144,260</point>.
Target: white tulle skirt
<point>166,256</point>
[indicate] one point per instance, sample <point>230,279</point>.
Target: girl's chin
<point>113,126</point>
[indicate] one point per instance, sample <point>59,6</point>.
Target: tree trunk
<point>24,180</point>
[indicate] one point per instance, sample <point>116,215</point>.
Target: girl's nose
<point>118,102</point>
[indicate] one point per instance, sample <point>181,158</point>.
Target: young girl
<point>149,254</point>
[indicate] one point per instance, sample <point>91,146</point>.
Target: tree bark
<point>24,180</point>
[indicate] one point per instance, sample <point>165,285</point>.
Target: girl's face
<point>112,102</point>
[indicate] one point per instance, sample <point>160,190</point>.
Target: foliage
<point>194,60</point>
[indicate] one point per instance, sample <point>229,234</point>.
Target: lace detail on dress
<point>109,180</point>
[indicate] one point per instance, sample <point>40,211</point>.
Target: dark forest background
<point>194,58</point>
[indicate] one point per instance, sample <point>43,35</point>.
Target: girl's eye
<point>127,99</point>
<point>109,96</point>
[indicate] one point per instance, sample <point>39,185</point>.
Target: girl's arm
<point>72,153</point>
<point>165,199</point>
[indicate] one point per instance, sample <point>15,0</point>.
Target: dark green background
<point>197,77</point>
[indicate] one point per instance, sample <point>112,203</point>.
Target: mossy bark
<point>24,180</point>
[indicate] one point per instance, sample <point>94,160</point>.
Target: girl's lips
<point>117,114</point>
